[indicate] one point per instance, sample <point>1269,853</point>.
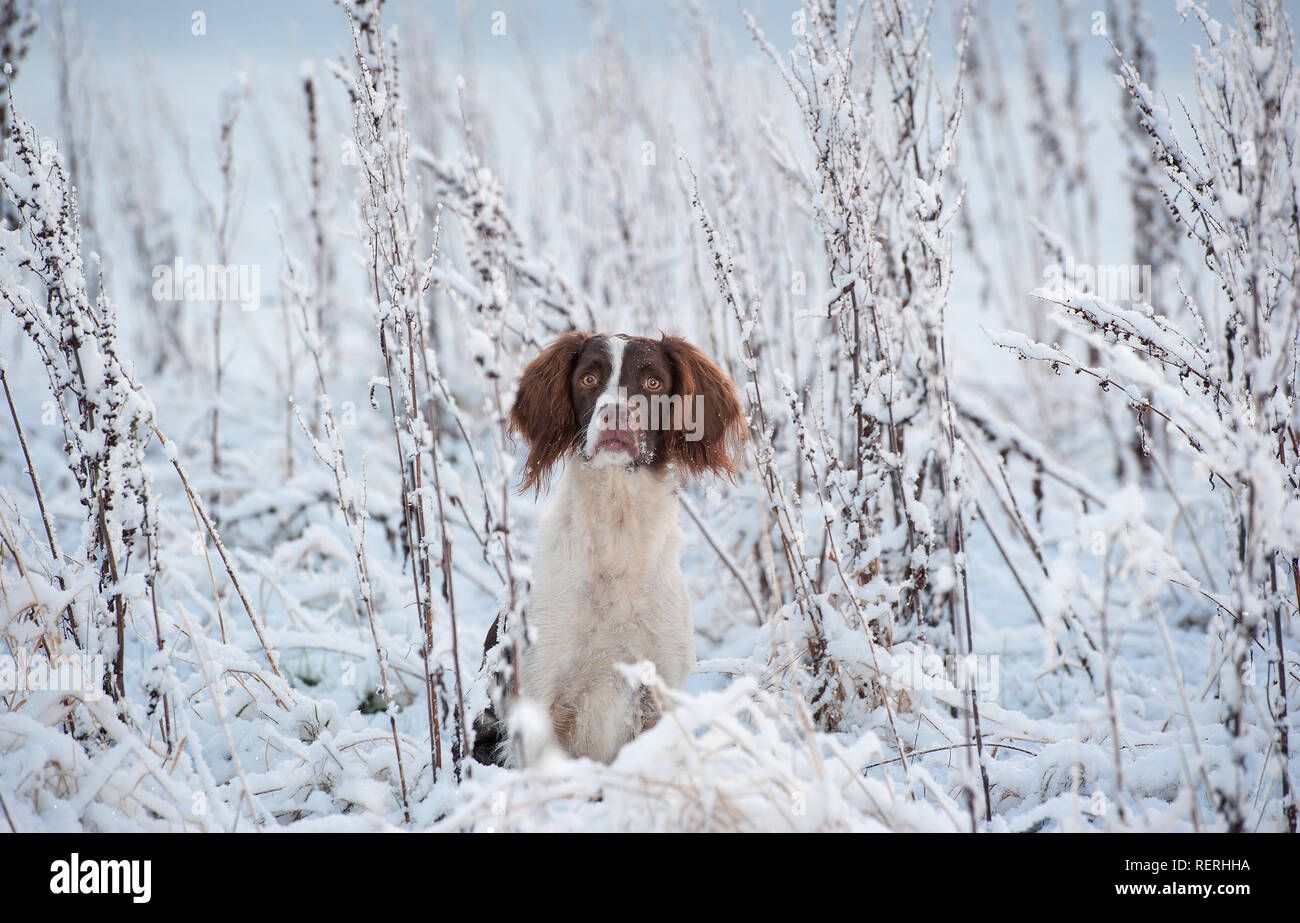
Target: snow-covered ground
<point>918,235</point>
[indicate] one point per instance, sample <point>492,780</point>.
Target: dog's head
<point>632,402</point>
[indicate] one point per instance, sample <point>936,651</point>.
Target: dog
<point>626,419</point>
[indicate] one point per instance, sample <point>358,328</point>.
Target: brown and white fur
<point>607,584</point>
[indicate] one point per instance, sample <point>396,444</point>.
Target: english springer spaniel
<point>626,418</point>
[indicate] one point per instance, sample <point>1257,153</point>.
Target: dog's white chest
<point>608,589</point>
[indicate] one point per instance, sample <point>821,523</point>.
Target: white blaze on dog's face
<point>612,438</point>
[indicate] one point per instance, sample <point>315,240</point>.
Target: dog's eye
<point>653,384</point>
<point>589,380</point>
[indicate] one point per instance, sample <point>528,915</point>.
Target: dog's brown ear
<point>543,413</point>
<point>709,402</point>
